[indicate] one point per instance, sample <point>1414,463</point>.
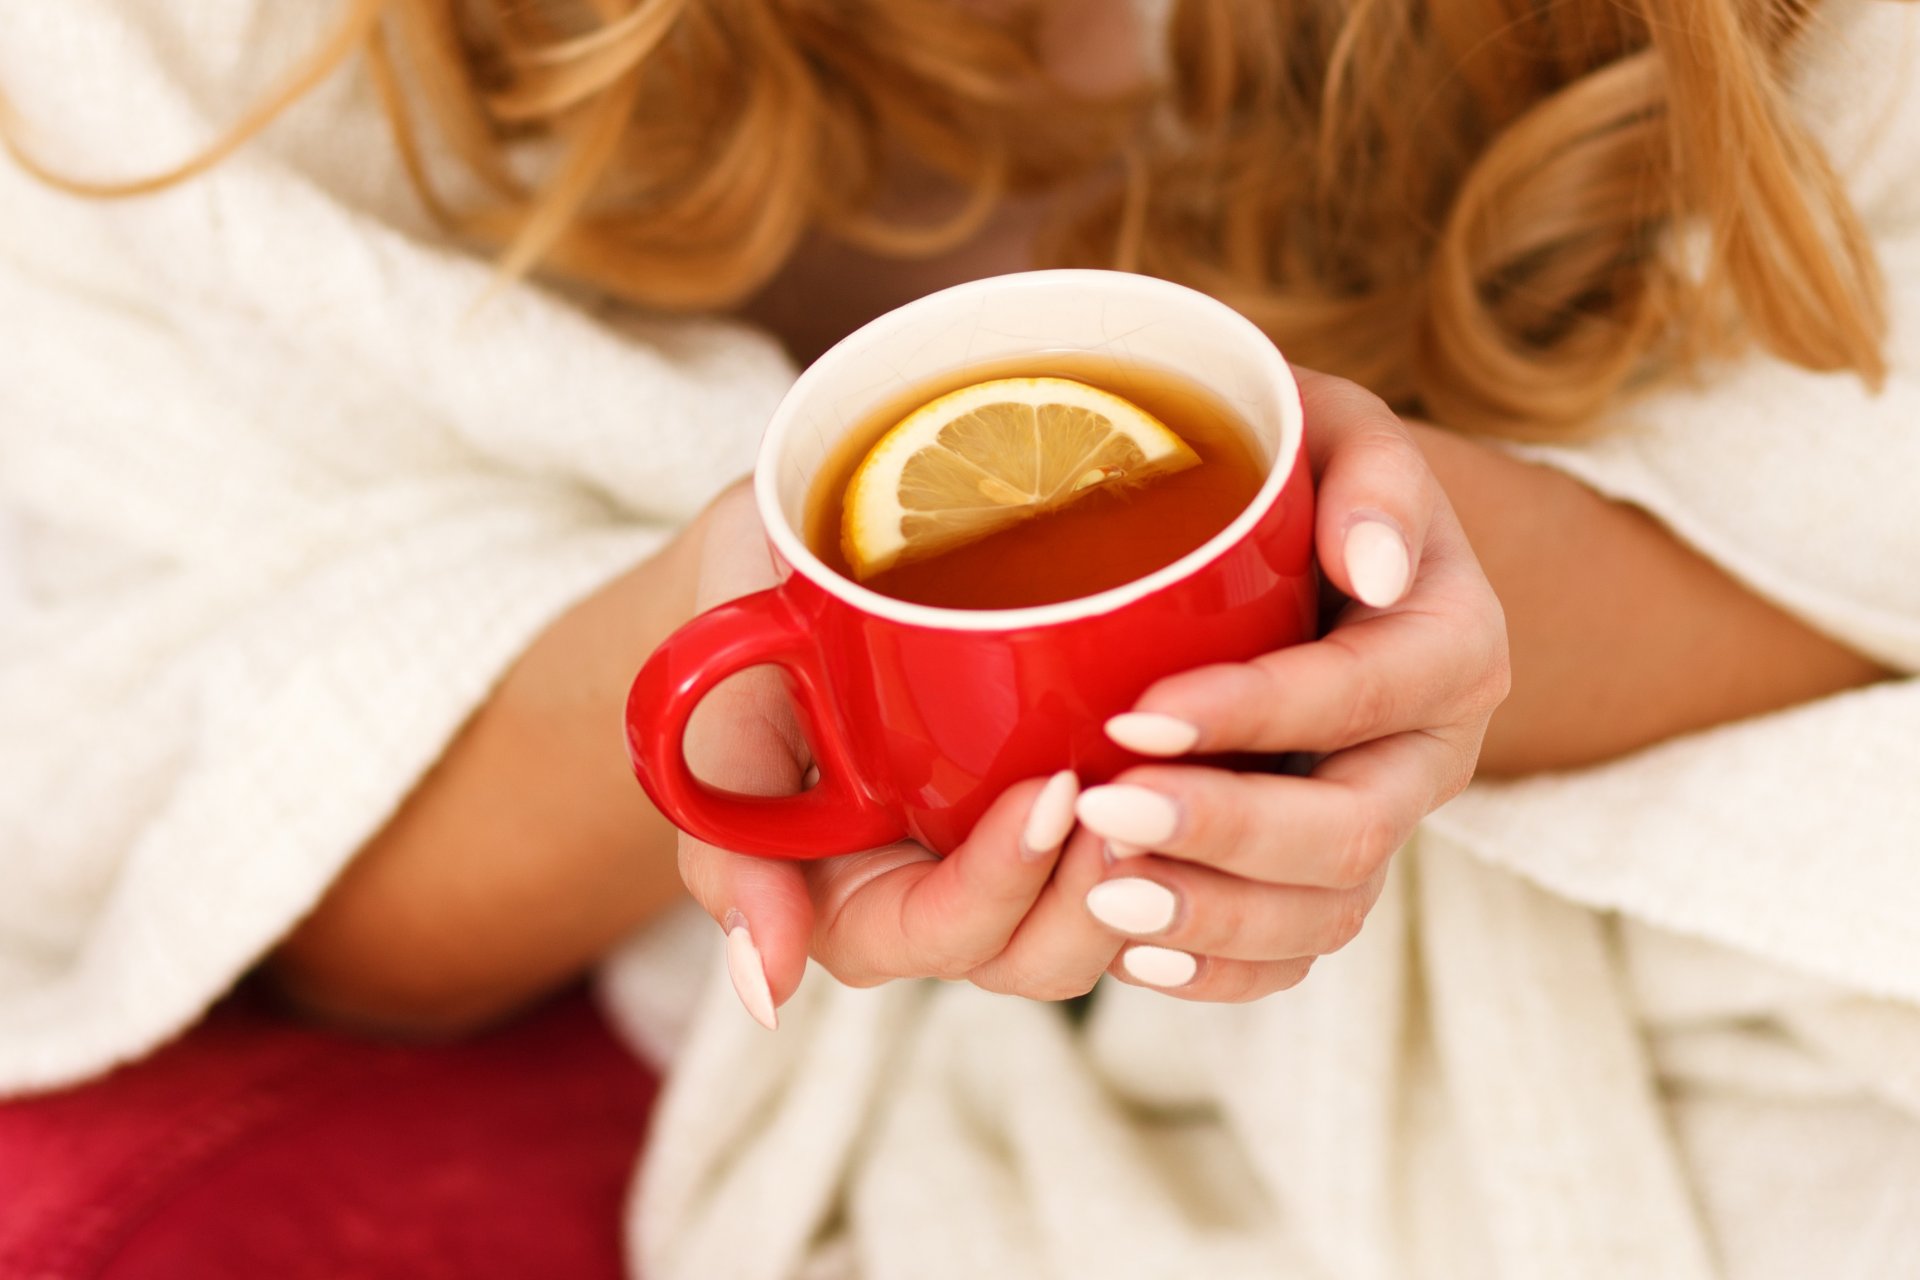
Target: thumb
<point>767,913</point>
<point>1376,495</point>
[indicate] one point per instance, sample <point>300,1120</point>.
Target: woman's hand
<point>1006,910</point>
<point>1228,885</point>
<point>1211,884</point>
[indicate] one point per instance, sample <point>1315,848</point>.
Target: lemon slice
<point>985,457</point>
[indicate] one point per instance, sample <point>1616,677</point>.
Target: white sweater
<point>286,505</point>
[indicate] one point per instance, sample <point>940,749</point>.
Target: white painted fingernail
<point>749,973</point>
<point>1132,905</point>
<point>1132,814</point>
<point>1159,966</point>
<point>1051,817</point>
<point>1118,849</point>
<point>1152,734</point>
<point>1377,563</point>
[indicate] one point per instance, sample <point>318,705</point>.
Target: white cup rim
<point>793,549</point>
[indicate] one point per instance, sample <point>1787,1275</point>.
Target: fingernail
<point>1114,850</point>
<point>1133,814</point>
<point>1159,966</point>
<point>1152,734</point>
<point>749,973</point>
<point>1051,816</point>
<point>1377,563</point>
<point>1132,905</point>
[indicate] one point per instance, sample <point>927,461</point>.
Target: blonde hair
<point>1496,213</point>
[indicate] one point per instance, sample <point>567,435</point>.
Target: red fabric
<point>255,1147</point>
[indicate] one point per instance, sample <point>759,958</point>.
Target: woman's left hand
<point>1229,885</point>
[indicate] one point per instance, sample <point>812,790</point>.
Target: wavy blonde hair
<point>1496,213</point>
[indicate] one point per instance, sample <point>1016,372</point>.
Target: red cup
<point>919,717</point>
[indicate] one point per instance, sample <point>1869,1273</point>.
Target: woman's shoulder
<point>308,296</point>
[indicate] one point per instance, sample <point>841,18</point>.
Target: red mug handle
<point>837,815</point>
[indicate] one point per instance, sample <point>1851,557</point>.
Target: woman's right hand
<point>1005,911</point>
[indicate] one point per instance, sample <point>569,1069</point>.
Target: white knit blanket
<point>286,506</point>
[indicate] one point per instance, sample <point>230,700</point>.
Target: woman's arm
<point>529,850</point>
<point>1620,635</point>
<point>526,853</point>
